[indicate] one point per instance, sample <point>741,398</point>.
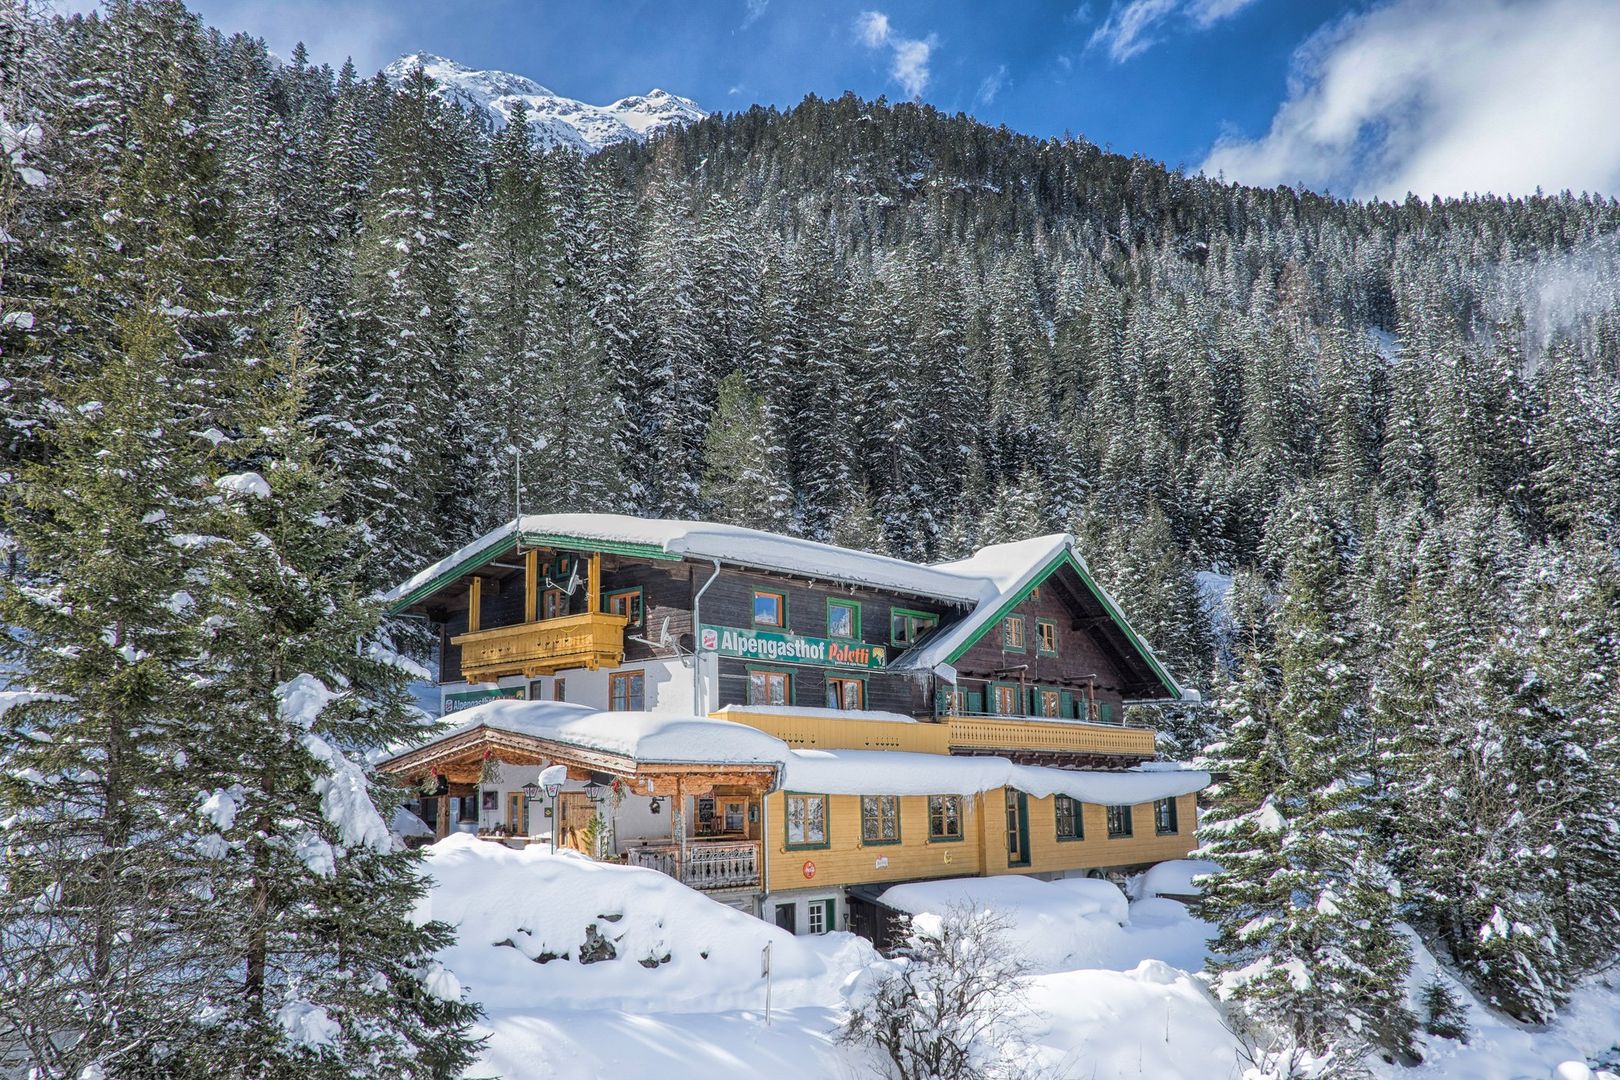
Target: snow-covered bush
<point>950,1006</point>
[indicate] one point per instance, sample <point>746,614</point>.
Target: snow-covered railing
<point>710,864</point>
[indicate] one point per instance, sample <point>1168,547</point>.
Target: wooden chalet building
<point>788,725</point>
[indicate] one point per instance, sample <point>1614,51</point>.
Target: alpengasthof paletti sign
<point>790,648</point>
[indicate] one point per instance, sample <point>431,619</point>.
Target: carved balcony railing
<point>709,864</point>
<point>542,648</point>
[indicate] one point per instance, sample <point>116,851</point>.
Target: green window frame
<point>787,675</point>
<point>1119,822</point>
<point>1165,821</point>
<point>1071,824</point>
<point>1008,625</point>
<point>634,607</point>
<point>943,812</point>
<point>993,697</point>
<point>907,626</point>
<point>854,609</point>
<point>806,803</point>
<point>781,608</point>
<point>880,820</point>
<point>1045,628</point>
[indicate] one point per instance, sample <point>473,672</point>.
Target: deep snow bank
<point>537,929</point>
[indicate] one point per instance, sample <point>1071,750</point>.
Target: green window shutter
<point>975,701</point>
<point>1106,713</point>
<point>1066,705</point>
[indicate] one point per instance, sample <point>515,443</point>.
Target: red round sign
<point>809,868</point>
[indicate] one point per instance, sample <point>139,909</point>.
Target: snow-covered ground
<point>683,995</point>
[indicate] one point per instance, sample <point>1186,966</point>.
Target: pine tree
<point>326,973</point>
<point>743,483</point>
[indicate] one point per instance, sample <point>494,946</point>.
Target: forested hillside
<point>1395,426</point>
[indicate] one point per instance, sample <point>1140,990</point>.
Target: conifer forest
<point>1353,467</point>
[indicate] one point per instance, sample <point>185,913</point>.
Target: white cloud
<point>370,31</point>
<point>873,28</point>
<point>991,85</point>
<point>908,57</point>
<point>1444,97</point>
<point>752,10</point>
<point>1136,26</point>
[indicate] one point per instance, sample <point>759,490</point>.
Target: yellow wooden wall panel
<point>983,849</point>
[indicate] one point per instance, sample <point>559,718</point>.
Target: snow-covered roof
<point>673,739</point>
<point>901,772</point>
<point>648,738</point>
<point>707,540</point>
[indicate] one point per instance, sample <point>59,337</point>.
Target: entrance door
<point>1017,828</point>
<point>787,917</point>
<point>516,820</point>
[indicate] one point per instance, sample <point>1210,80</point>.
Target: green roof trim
<point>1066,558</point>
<point>509,542</point>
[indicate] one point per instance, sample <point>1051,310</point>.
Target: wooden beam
<point>475,593</point>
<point>531,583</point>
<point>593,597</point>
<point>443,828</point>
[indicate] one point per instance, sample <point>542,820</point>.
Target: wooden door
<point>517,820</point>
<point>1017,828</point>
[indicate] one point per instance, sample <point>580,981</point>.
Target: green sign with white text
<point>790,648</point>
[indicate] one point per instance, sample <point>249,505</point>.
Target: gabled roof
<point>993,580</point>
<point>1016,569</point>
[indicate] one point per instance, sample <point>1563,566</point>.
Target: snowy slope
<point>490,96</point>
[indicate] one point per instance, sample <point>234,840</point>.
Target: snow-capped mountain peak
<point>492,96</point>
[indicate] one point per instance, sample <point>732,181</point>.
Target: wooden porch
<point>717,846</point>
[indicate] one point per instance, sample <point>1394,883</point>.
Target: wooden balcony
<point>709,864</point>
<point>1012,734</point>
<point>591,641</point>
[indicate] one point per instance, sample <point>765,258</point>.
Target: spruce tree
<point>1307,948</point>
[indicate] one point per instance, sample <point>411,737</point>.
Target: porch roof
<point>626,743</point>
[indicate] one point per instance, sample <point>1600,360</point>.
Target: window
<point>1069,823</point>
<point>557,690</point>
<point>627,691</point>
<point>770,609</point>
<point>1012,633</point>
<point>843,619</point>
<point>807,821</point>
<point>1046,636</point>
<point>553,604</point>
<point>905,627</point>
<point>1051,703</point>
<point>944,817</point>
<point>821,915</point>
<point>880,819</point>
<point>1164,817</point>
<point>956,703</point>
<point>1007,701</point>
<point>770,688</point>
<point>734,815</point>
<point>1035,593</point>
<point>1119,822</point>
<point>846,693</point>
<point>626,602</point>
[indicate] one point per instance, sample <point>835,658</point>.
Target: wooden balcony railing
<point>541,648</point>
<point>1010,733</point>
<point>709,864</point>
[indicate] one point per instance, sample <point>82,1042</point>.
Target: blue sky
<point>1373,97</point>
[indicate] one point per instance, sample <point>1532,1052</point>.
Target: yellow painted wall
<point>846,861</point>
